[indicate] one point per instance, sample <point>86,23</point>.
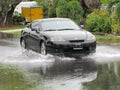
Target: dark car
<point>57,36</point>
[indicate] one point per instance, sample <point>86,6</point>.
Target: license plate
<point>77,47</point>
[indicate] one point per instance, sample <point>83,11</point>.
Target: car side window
<point>35,25</point>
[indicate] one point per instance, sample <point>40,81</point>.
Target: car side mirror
<point>28,25</point>
<point>35,29</point>
<point>82,26</point>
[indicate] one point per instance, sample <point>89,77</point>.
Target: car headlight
<point>53,39</point>
<point>90,37</point>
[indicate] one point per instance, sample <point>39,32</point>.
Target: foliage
<point>91,4</point>
<point>115,3</point>
<point>115,25</point>
<point>115,15</point>
<point>6,10</point>
<point>45,5</point>
<point>17,19</point>
<point>61,10</point>
<point>104,1</point>
<point>49,7</point>
<point>117,11</point>
<point>98,21</point>
<point>71,9</point>
<point>75,11</point>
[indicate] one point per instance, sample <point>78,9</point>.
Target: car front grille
<point>76,41</point>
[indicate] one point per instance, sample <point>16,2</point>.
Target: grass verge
<point>107,39</point>
<point>12,28</point>
<point>12,78</point>
<point>16,33</point>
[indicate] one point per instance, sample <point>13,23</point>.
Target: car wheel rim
<point>43,49</point>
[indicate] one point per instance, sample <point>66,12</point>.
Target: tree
<point>89,5</point>
<point>115,3</point>
<point>7,8</point>
<point>104,1</point>
<point>75,11</point>
<point>70,9</point>
<point>49,7</point>
<point>62,10</point>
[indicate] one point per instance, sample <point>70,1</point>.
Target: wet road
<point>100,71</point>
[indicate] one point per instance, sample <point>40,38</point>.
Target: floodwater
<point>100,71</point>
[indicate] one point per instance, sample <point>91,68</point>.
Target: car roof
<point>51,19</point>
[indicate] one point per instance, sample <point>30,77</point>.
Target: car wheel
<point>43,48</point>
<point>23,46</point>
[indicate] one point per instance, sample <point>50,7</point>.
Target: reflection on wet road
<point>64,73</point>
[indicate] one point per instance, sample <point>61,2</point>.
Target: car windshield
<point>54,25</point>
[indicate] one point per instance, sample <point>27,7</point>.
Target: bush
<point>75,11</point>
<point>98,21</point>
<point>61,10</point>
<point>104,1</point>
<point>70,9</point>
<point>17,19</point>
<point>117,12</point>
<point>115,25</point>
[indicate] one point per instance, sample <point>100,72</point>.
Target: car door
<point>34,36</point>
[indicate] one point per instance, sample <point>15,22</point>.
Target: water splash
<point>106,54</point>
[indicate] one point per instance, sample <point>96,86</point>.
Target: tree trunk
<point>92,4</point>
<point>9,13</point>
<point>1,17</point>
<point>89,5</point>
<point>8,17</point>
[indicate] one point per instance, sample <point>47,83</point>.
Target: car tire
<point>23,46</point>
<point>43,50</point>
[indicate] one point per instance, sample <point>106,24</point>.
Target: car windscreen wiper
<point>67,29</point>
<point>50,30</point>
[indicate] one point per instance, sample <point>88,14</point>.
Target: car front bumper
<point>72,49</point>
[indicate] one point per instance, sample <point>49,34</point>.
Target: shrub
<point>115,25</point>
<point>75,11</point>
<point>18,18</point>
<point>98,21</point>
<point>104,1</point>
<point>70,9</point>
<point>117,11</point>
<point>61,10</point>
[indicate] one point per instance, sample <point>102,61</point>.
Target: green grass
<point>107,39</point>
<point>16,33</point>
<point>13,27</point>
<point>12,78</point>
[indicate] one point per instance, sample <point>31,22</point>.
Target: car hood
<point>68,34</point>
